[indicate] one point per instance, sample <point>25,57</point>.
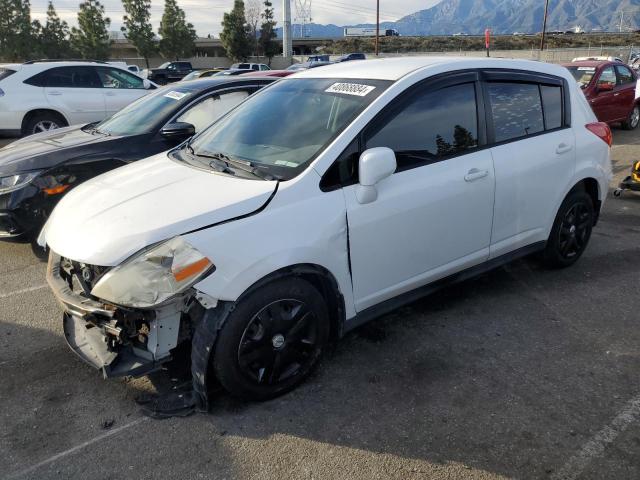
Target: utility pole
<point>377,27</point>
<point>287,49</point>
<point>544,25</point>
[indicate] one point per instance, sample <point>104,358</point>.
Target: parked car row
<point>301,211</point>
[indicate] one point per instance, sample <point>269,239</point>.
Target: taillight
<point>602,131</point>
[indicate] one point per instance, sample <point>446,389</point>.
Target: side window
<point>172,66</point>
<point>552,105</point>
<point>608,76</point>
<point>207,111</point>
<point>432,125</point>
<point>255,67</point>
<point>71,77</point>
<point>624,75</point>
<point>115,78</point>
<point>516,110</point>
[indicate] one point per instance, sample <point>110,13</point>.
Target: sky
<point>206,15</point>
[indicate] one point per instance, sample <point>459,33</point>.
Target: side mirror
<point>178,131</point>
<point>606,87</point>
<point>146,84</point>
<point>375,164</point>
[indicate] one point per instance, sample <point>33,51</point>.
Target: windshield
<point>165,65</point>
<point>283,127</point>
<point>583,75</point>
<point>142,115</point>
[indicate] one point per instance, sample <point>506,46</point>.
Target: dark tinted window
<point>516,110</point>
<point>5,72</point>
<point>184,65</point>
<point>552,103</point>
<point>624,75</point>
<point>432,125</point>
<point>71,77</point>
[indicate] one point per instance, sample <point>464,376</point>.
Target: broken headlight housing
<point>16,182</point>
<point>154,275</point>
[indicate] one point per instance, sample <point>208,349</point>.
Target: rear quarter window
<point>5,72</point>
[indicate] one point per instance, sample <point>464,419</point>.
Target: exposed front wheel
<point>272,340</point>
<point>571,231</point>
<point>632,121</point>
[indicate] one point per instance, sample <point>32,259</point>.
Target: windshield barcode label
<point>350,89</point>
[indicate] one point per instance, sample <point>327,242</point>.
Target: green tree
<point>178,36</point>
<point>91,39</point>
<point>137,27</point>
<point>54,35</point>
<point>236,34</point>
<point>16,30</point>
<point>268,43</point>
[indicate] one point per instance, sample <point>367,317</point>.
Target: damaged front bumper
<point>118,341</point>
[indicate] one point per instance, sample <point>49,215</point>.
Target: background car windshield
<point>284,126</point>
<point>142,115</point>
<point>583,75</point>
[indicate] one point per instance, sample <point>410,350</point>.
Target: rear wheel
<point>43,122</point>
<point>272,340</point>
<point>632,121</point>
<point>571,231</point>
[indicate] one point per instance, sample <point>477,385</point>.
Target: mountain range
<point>502,16</point>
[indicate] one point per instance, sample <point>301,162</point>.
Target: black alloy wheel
<point>280,341</point>
<point>272,339</point>
<point>571,230</point>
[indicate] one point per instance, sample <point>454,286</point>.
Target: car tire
<point>41,254</point>
<point>272,340</point>
<point>42,122</point>
<point>571,231</point>
<point>632,121</point>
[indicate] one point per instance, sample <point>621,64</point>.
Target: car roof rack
<point>45,60</point>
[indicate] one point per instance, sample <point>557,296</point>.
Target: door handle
<point>475,174</point>
<point>55,93</point>
<point>563,148</point>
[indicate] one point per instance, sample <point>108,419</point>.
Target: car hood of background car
<point>46,150</point>
<point>111,217</point>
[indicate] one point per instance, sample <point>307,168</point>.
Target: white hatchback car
<point>325,200</point>
<point>43,95</point>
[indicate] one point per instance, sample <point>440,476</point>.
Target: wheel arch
<point>33,112</point>
<point>322,279</point>
<point>592,188</point>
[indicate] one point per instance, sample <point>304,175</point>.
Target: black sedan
<point>37,171</point>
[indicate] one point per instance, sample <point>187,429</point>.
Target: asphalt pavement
<point>523,372</point>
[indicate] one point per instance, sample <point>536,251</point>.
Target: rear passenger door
<point>432,217</point>
<point>625,92</point>
<point>533,151</point>
<point>75,92</point>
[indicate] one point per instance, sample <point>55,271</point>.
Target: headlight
<point>154,275</point>
<point>16,182</point>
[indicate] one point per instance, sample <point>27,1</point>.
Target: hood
<point>111,217</point>
<point>45,150</point>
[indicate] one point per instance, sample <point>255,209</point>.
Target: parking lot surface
<point>523,372</point>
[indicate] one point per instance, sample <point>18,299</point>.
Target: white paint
<point>23,290</point>
<point>75,449</point>
<point>595,447</point>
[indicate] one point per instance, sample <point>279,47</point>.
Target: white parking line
<point>60,455</point>
<point>595,447</point>
<point>24,290</point>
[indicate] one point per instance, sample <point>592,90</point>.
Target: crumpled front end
<point>118,341</point>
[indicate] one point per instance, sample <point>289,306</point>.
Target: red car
<point>610,88</point>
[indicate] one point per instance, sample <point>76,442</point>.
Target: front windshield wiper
<point>222,160</point>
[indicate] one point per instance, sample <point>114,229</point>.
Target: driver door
<point>433,216</point>
<point>603,104</point>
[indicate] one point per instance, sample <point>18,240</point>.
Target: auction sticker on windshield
<point>175,95</point>
<point>350,89</point>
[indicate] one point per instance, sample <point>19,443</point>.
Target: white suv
<point>322,201</point>
<point>249,66</point>
<point>43,95</point>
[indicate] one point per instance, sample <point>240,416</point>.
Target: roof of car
<point>589,63</point>
<point>397,67</point>
<point>210,82</point>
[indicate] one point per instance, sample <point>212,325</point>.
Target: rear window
<point>516,110</point>
<point>5,72</point>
